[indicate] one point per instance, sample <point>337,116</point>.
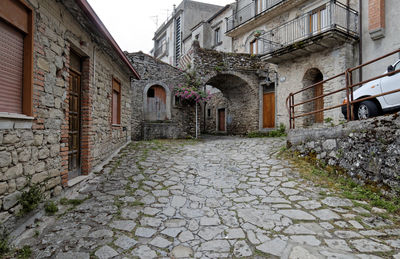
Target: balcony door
<point>254,47</point>
<point>318,20</point>
<point>261,6</point>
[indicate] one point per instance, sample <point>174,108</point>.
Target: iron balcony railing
<point>255,8</point>
<point>161,49</point>
<point>330,16</point>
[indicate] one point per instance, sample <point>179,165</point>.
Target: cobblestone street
<point>218,198</point>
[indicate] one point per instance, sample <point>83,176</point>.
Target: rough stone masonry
<point>220,198</point>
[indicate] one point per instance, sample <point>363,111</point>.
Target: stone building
<point>210,34</point>
<point>156,113</point>
<point>168,39</point>
<point>380,34</point>
<point>306,40</point>
<point>236,80</point>
<point>65,97</point>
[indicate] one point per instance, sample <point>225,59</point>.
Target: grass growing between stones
<point>50,208</point>
<point>329,177</point>
<point>30,199</point>
<point>280,132</point>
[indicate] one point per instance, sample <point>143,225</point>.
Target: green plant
<point>30,199</point>
<point>329,120</point>
<point>50,208</point>
<point>280,132</point>
<point>74,202</point>
<point>24,253</point>
<point>4,248</point>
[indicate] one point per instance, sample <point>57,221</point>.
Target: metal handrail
<point>162,49</point>
<point>290,103</point>
<point>337,16</point>
<point>249,12</point>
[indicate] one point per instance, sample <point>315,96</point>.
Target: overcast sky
<point>132,23</point>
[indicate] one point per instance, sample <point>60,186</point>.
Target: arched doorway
<point>234,108</point>
<point>313,76</point>
<point>155,108</point>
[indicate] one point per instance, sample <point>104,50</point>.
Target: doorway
<point>312,77</point>
<point>269,106</point>
<point>319,103</point>
<point>74,115</point>
<point>221,120</point>
<point>156,107</point>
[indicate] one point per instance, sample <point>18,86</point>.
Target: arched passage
<point>157,102</point>
<point>313,76</point>
<point>234,108</point>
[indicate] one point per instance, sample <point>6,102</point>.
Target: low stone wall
<point>368,150</point>
<point>160,130</point>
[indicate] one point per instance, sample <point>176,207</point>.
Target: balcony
<point>161,50</point>
<point>249,13</point>
<point>331,25</point>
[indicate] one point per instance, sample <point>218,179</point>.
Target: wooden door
<point>269,110</point>
<point>221,120</point>
<point>319,103</point>
<point>74,125</point>
<point>156,104</point>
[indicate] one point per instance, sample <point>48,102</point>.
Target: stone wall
<point>35,150</point>
<point>293,75</point>
<point>209,123</point>
<point>368,150</point>
<point>238,77</point>
<point>181,124</point>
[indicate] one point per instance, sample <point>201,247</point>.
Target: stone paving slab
<point>221,198</point>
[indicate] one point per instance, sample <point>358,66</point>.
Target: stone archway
<point>156,102</point>
<point>238,98</point>
<point>313,76</point>
<point>239,77</point>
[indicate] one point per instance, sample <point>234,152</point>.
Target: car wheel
<point>367,109</point>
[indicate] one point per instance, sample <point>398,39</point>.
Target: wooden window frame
<point>319,19</point>
<point>116,88</point>
<point>254,43</point>
<point>20,15</point>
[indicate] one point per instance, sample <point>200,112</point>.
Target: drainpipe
<point>360,45</point>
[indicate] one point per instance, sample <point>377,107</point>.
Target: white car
<point>379,105</point>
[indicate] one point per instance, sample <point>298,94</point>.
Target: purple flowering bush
<point>191,94</point>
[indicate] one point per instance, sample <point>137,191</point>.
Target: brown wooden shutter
<point>116,102</point>
<point>11,68</point>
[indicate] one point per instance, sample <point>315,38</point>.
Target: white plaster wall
<point>372,49</point>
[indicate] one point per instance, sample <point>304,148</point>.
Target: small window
<point>217,36</point>
<point>116,102</point>
<point>208,113</point>
<point>197,37</point>
<point>150,93</point>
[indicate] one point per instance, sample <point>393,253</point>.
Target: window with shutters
<point>116,102</point>
<point>16,52</point>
